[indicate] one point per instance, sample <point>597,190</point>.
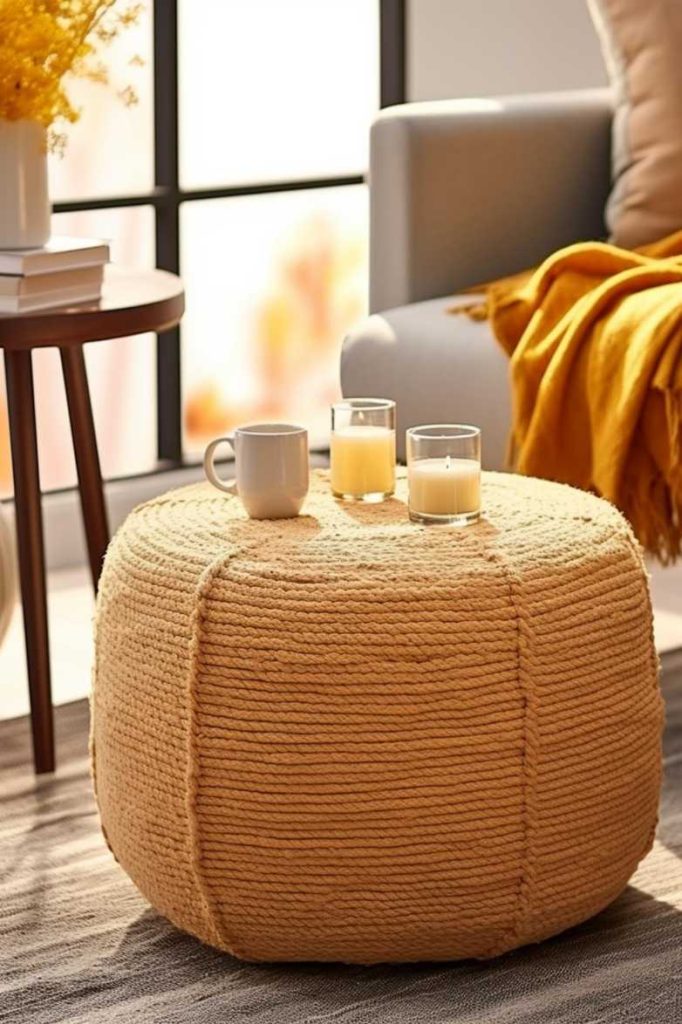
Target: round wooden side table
<point>132,302</point>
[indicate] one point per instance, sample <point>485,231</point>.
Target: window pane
<point>271,91</point>
<point>109,151</point>
<point>273,282</point>
<point>121,372</point>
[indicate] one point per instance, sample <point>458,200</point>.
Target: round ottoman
<point>348,737</point>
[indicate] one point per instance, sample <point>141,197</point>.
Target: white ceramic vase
<point>24,199</point>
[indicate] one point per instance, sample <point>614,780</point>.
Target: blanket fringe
<point>654,512</point>
<point>652,499</point>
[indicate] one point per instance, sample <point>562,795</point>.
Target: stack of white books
<point>63,272</point>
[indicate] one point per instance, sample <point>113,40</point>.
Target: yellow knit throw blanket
<point>595,335</point>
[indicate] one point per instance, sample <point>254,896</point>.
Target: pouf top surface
<point>516,510</point>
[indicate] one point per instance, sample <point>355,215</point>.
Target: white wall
<point>489,47</point>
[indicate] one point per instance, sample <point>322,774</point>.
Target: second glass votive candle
<point>362,449</point>
<point>444,473</point>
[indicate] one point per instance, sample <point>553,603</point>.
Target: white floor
<point>71,607</point>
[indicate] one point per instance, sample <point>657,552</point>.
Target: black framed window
<point>274,180</point>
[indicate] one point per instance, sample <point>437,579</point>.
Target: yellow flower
<point>42,42</point>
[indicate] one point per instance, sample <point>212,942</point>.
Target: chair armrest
<point>464,191</point>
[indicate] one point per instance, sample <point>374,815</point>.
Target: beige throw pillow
<point>642,43</point>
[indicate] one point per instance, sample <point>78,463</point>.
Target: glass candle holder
<point>444,473</point>
<point>362,449</point>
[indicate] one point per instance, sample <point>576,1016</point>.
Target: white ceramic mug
<point>271,462</point>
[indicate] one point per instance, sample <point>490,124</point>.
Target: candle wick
<point>447,462</point>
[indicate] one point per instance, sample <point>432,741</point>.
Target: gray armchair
<point>462,192</point>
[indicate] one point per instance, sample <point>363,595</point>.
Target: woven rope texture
<point>348,737</point>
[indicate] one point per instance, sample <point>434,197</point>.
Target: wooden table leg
<point>87,457</point>
<point>29,529</point>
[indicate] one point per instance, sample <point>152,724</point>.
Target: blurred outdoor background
<point>273,278</point>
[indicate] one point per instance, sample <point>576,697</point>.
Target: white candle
<point>363,460</point>
<point>444,487</point>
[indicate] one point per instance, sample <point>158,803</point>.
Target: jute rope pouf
<point>348,737</point>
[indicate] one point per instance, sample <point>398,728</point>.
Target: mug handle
<point>209,464</point>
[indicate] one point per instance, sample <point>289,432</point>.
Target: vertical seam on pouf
<point>655,662</point>
<point>531,742</point>
<point>212,914</point>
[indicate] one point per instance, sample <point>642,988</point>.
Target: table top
<point>132,302</point>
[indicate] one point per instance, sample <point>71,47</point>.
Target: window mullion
<point>168,364</point>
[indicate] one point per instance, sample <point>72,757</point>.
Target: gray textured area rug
<point>79,945</point>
